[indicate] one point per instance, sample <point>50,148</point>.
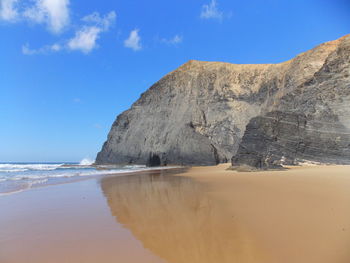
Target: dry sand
<point>207,215</point>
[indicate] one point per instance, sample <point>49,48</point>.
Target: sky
<point>69,67</point>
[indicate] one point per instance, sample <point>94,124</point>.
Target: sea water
<point>17,177</point>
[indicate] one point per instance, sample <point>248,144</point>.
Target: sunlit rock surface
<point>198,114</point>
<point>311,122</point>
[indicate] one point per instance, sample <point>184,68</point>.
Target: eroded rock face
<point>197,114</point>
<point>309,123</point>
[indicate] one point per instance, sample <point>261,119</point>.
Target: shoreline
<point>74,179</point>
<point>207,214</point>
<point>189,171</point>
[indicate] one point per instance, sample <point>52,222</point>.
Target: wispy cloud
<point>211,11</point>
<point>134,40</point>
<point>85,38</point>
<point>26,50</point>
<point>177,39</point>
<point>8,10</point>
<point>53,13</point>
<point>102,22</point>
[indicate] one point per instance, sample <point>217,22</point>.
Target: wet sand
<point>298,215</point>
<point>206,214</point>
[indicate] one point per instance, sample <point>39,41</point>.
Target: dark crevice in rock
<point>216,155</point>
<point>153,160</point>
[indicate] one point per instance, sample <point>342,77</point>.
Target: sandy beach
<point>204,214</point>
<point>210,131</point>
<point>297,215</point>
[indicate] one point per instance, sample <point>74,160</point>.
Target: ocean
<point>18,177</point>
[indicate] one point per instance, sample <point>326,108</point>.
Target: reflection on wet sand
<point>177,220</point>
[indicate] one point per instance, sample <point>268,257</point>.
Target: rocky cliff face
<point>198,113</point>
<point>310,122</point>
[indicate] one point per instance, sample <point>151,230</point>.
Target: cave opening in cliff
<point>154,160</point>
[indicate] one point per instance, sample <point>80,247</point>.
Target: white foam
<point>13,170</point>
<point>77,173</point>
<point>135,166</point>
<point>25,167</point>
<point>48,173</point>
<point>86,161</point>
<point>24,187</point>
<point>308,163</point>
<point>15,192</point>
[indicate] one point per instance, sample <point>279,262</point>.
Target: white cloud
<point>55,47</point>
<point>8,10</point>
<point>103,22</point>
<point>26,50</point>
<point>53,13</point>
<point>177,39</point>
<point>134,40</point>
<point>211,11</point>
<point>85,39</point>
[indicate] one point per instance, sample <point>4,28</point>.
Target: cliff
<point>310,122</point>
<point>199,113</point>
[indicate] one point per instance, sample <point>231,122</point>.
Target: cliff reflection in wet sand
<point>175,219</point>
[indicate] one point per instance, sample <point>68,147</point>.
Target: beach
<point>297,215</point>
<point>211,131</point>
<point>200,214</point>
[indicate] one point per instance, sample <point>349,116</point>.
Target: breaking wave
<point>11,168</point>
<point>86,161</point>
<point>18,177</point>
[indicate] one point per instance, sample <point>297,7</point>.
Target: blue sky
<point>68,67</point>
